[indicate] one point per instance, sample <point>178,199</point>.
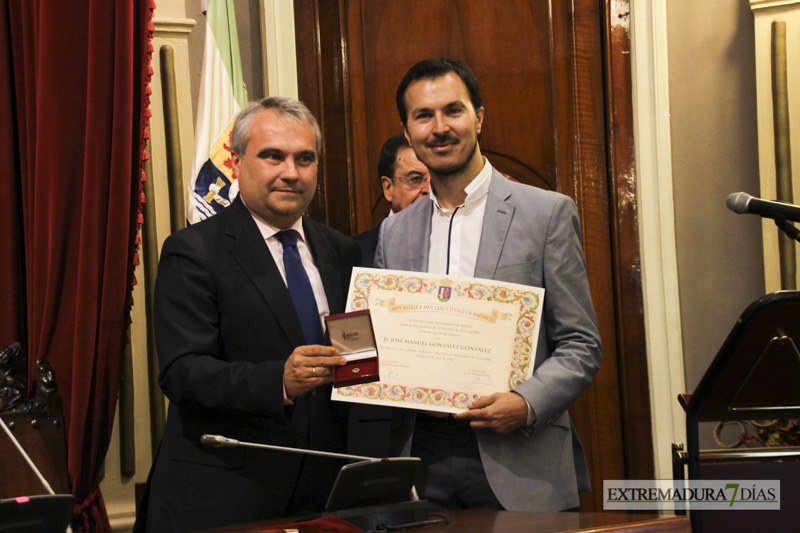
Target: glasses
<point>414,182</point>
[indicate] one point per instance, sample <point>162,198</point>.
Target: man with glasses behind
<point>404,179</point>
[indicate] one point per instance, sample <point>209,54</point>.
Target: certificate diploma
<point>444,340</point>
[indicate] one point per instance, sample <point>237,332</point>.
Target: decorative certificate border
<point>371,286</point>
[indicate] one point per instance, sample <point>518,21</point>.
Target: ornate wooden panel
<point>513,65</point>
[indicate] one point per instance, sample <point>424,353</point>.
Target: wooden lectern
<point>754,376</point>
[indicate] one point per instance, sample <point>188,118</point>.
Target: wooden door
<point>551,121</point>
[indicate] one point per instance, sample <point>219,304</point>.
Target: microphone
<point>368,493</point>
<point>743,203</point>
<point>218,441</point>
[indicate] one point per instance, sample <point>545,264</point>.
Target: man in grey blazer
<point>514,450</point>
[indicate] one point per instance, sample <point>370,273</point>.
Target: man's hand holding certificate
<point>502,412</point>
<point>445,341</point>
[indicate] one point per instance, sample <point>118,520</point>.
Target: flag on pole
<point>222,95</point>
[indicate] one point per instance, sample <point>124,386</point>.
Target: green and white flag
<point>222,96</point>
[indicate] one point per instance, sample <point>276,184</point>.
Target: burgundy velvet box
<point>352,334</point>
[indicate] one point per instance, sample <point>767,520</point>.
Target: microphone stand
<point>788,228</point>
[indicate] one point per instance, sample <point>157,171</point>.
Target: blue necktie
<point>300,288</point>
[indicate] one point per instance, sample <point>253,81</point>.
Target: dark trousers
<point>451,476</point>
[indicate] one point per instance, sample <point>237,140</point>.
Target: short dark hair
<point>287,108</point>
<point>388,157</point>
<point>436,67</point>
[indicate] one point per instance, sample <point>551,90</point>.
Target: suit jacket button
<point>313,392</point>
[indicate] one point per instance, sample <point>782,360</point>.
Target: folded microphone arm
<point>788,228</point>
<point>27,458</point>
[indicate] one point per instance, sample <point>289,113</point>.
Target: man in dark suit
<point>403,181</point>
<point>518,449</point>
<point>240,349</point>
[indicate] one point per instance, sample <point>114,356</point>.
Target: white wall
<point>712,88</point>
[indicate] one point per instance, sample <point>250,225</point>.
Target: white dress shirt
<point>276,249</point>
<point>456,235</point>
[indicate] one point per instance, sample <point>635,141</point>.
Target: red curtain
<point>72,111</point>
<point>12,288</point>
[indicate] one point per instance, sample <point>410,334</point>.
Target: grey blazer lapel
<point>410,237</point>
<point>250,251</point>
<point>496,221</point>
<point>419,231</point>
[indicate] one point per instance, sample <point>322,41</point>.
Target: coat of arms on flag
<point>215,185</point>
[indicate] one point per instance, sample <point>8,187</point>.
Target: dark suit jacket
<point>225,325</point>
<point>368,242</point>
<point>369,425</point>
